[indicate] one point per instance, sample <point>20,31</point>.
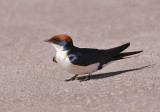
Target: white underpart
<point>63,60</point>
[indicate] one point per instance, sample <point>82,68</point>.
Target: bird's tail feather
<point>125,55</point>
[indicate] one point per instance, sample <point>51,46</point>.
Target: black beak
<point>47,40</point>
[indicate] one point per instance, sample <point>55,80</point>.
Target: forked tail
<point>126,54</point>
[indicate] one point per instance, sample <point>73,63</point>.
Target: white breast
<point>63,60</point>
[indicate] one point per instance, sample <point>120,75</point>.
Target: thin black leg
<point>72,78</point>
<point>86,78</point>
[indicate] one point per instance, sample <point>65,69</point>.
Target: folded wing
<point>85,56</point>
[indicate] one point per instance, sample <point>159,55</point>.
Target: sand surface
<point>31,82</point>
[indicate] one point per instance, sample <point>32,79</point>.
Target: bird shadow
<point>110,74</point>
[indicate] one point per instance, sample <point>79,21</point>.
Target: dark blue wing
<point>85,56</point>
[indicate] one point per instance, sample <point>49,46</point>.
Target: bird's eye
<point>56,40</point>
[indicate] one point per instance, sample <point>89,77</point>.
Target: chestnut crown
<point>59,38</point>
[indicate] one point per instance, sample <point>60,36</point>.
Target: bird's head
<point>60,42</point>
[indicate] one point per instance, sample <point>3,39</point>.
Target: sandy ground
<point>31,82</point>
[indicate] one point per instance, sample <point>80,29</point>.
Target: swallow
<point>84,60</point>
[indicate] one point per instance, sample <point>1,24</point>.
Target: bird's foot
<point>72,78</point>
<point>86,78</point>
<point>54,59</point>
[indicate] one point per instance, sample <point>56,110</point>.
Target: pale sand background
<point>31,82</point>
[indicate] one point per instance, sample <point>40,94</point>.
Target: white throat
<point>58,47</point>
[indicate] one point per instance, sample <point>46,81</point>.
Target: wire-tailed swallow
<point>84,60</point>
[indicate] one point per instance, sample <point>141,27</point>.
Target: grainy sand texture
<point>31,82</point>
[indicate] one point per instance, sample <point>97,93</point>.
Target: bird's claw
<point>54,59</point>
<point>85,79</point>
<point>72,78</point>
